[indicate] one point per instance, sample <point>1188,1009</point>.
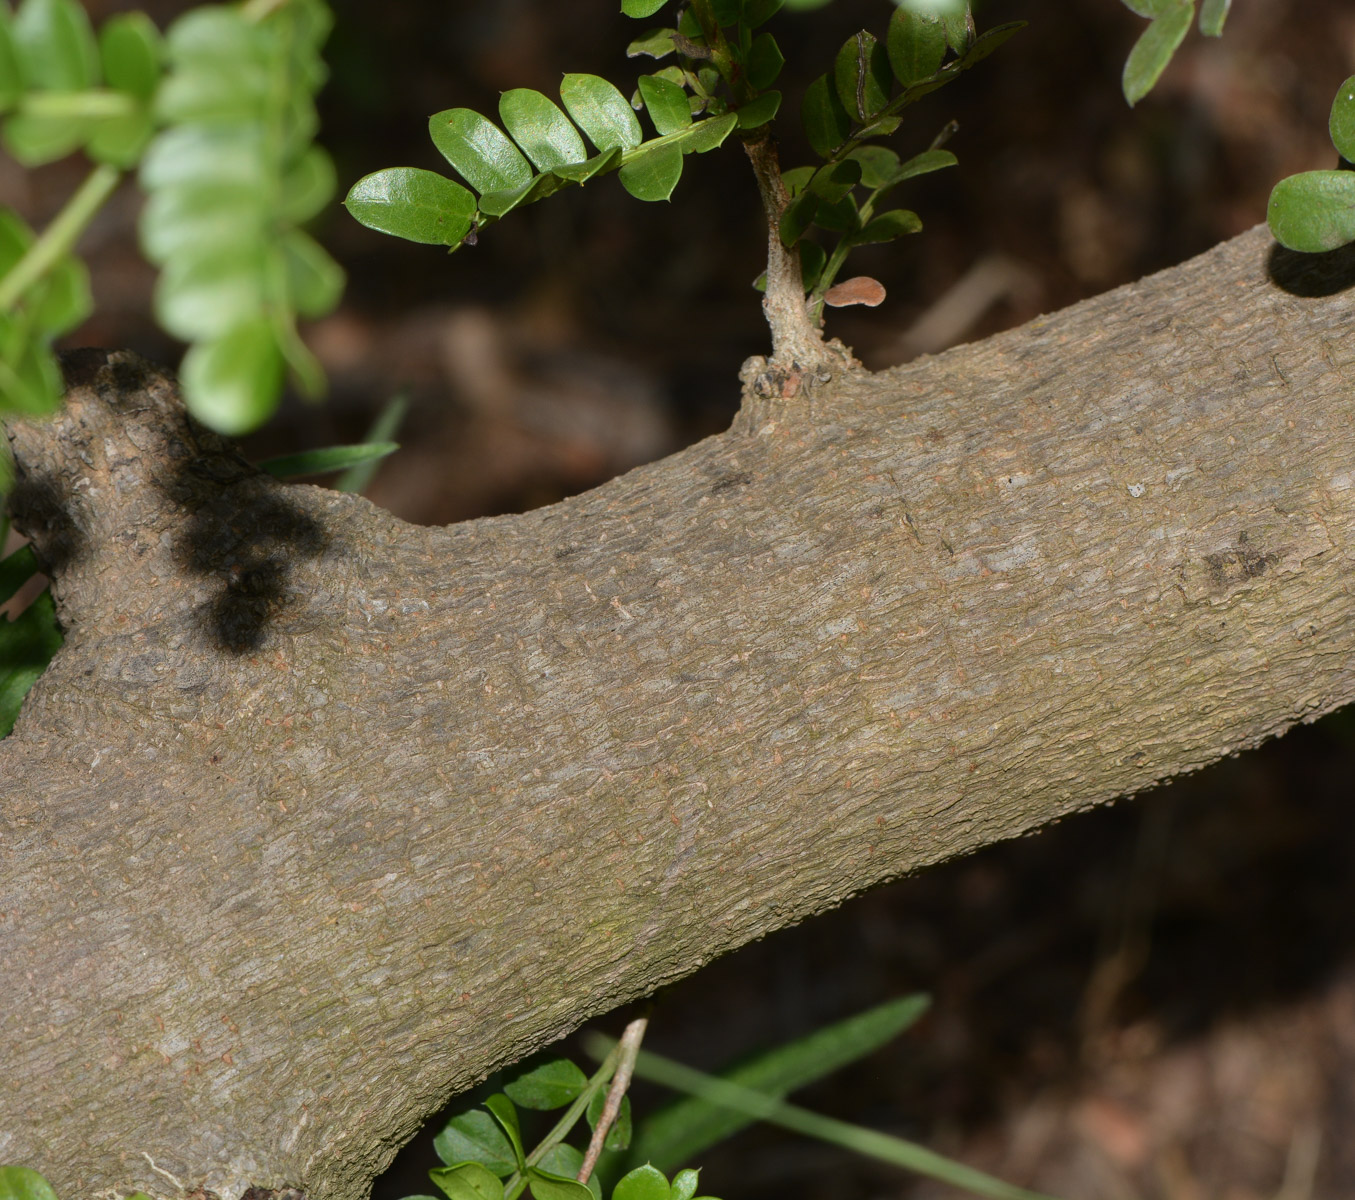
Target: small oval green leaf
<point>307,186</point>
<point>314,280</point>
<point>798,217</point>
<point>481,152</point>
<point>925,163</point>
<point>204,294</point>
<point>180,218</point>
<point>765,61</point>
<point>467,1181</point>
<point>826,122</point>
<point>131,51</point>
<point>684,1183</point>
<point>11,77</point>
<point>862,76</point>
<point>759,111</point>
<point>201,155</point>
<point>643,1183</point>
<point>475,1136</point>
<point>832,182</point>
<point>19,1183</point>
<point>544,133</point>
<point>916,45</point>
<point>1154,50</point>
<point>413,204</point>
<point>667,103</point>
<point>653,174</point>
<point>641,8</point>
<point>57,51</point>
<point>1314,211</point>
<point>601,111</point>
<point>887,226</point>
<point>553,1084</point>
<point>655,43</point>
<point>989,41</point>
<point>1341,124</point>
<point>547,1186</point>
<point>233,383</point>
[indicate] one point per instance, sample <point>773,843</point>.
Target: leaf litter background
<point>1150,1002</point>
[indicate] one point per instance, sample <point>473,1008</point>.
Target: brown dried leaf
<point>861,289</point>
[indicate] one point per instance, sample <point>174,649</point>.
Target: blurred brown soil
<point>1153,1001</point>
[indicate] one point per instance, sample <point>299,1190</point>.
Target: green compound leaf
<point>30,381</point>
<point>544,133</point>
<point>862,76</point>
<point>1154,50</point>
<point>887,226</point>
<point>19,1183</point>
<point>413,204</point>
<point>203,295</point>
<point>653,174</point>
<point>643,1183</point>
<point>57,51</point>
<point>601,111</point>
<point>706,135</point>
<point>553,1084</point>
<point>1341,124</point>
<point>467,1181</point>
<point>326,459</point>
<point>667,103</point>
<point>916,45</point>
<point>656,43</point>
<point>765,61</point>
<point>1213,13</point>
<point>221,67</point>
<point>131,51</point>
<point>641,8</point>
<point>759,111</point>
<point>759,12</point>
<point>547,1186</point>
<point>481,152</point>
<point>177,219</point>
<point>1314,211</point>
<point>315,281</point>
<point>475,1136</point>
<point>826,122</point>
<point>233,383</point>
<point>307,186</point>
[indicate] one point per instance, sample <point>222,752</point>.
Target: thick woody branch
<point>318,817</point>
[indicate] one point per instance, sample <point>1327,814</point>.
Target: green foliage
<point>27,642</point>
<point>1315,210</point>
<point>327,459</point>
<point>19,1183</point>
<point>1169,22</point>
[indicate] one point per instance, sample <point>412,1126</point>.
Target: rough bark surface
<point>319,816</point>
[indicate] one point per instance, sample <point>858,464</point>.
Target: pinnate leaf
<point>988,41</point>
<point>705,135</point>
<point>11,78</point>
<point>667,103</point>
<point>314,280</point>
<point>483,155</point>
<point>601,111</point>
<point>414,204</point>
<point>544,133</point>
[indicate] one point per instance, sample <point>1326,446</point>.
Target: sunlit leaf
<point>1154,50</point>
<point>656,43</point>
<point>826,122</point>
<point>413,204</point>
<point>641,8</point>
<point>233,383</point>
<point>653,174</point>
<point>705,135</point>
<point>1314,211</point>
<point>326,459</point>
<point>765,61</point>
<point>121,140</point>
<point>483,155</point>
<point>204,295</point>
<point>307,186</point>
<point>229,154</point>
<point>684,1184</point>
<point>759,111</point>
<point>57,51</point>
<point>177,218</point>
<point>862,76</point>
<point>1213,13</point>
<point>543,132</point>
<point>601,111</point>
<point>887,226</point>
<point>1341,125</point>
<point>667,103</point>
<point>916,46</point>
<point>643,1183</point>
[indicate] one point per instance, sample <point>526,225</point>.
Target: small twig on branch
<point>628,1047</point>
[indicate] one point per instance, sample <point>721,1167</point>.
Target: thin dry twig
<point>629,1047</point>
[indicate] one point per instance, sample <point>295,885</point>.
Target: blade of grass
<point>680,1132</point>
<point>868,1142</point>
<point>326,459</point>
<point>384,428</point>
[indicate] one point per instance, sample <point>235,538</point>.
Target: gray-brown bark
<point>318,816</point>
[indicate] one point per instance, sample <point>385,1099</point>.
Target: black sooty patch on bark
<point>726,483</point>
<point>1312,275</point>
<point>246,539</point>
<point>1244,561</point>
<point>41,508</point>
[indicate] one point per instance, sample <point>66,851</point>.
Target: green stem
<point>96,102</point>
<point>59,238</point>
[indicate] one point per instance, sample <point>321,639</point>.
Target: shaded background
<point>1150,1001</point>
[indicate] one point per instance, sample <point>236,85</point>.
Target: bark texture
<point>318,816</point>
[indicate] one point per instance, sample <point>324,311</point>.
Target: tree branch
<point>318,817</point>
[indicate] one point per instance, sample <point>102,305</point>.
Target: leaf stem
<point>59,238</point>
<point>628,1047</point>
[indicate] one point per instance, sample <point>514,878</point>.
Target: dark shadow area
<point>244,536</point>
<point>1312,275</point>
<point>40,507</point>
<point>1219,900</point>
